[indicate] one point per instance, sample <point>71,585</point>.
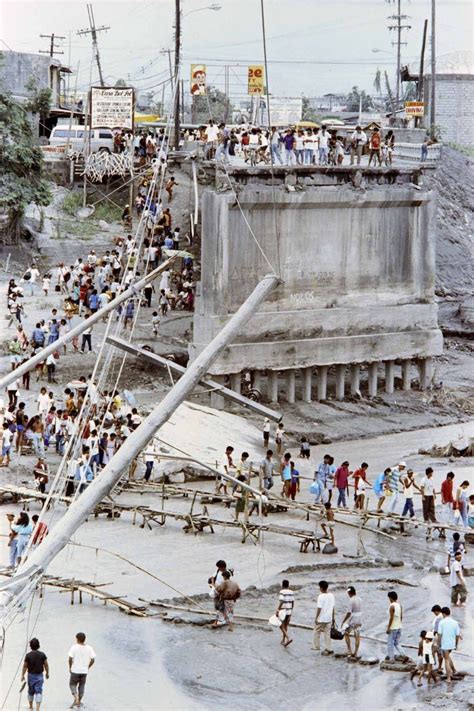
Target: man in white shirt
<point>34,274</point>
<point>358,141</point>
<point>81,658</point>
<point>286,602</point>
<point>428,496</point>
<point>211,133</point>
<point>323,146</point>
<point>457,581</point>
<point>325,616</point>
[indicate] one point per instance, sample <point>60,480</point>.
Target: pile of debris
<point>463,447</point>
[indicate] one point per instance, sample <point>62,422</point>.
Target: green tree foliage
<point>308,113</point>
<point>39,100</point>
<point>354,97</point>
<point>215,105</point>
<point>21,176</point>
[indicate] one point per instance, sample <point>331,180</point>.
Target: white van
<point>101,139</point>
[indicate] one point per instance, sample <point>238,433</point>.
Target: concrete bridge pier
<point>389,376</point>
<point>355,378</point>
<point>291,386</point>
<point>272,387</point>
<point>340,381</point>
<point>217,400</point>
<point>257,379</point>
<point>373,376</point>
<point>322,382</point>
<point>235,382</point>
<point>426,372</point>
<point>307,376</point>
<point>406,375</point>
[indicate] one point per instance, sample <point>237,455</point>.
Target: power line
<point>241,63</point>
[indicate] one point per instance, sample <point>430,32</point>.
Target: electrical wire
<point>272,168</point>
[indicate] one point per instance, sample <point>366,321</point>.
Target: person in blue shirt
<point>94,301</point>
<point>129,313</point>
<point>53,331</point>
<point>37,337</point>
<point>317,489</point>
<point>379,487</point>
<point>295,481</point>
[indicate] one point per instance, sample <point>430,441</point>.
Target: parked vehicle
<point>101,139</point>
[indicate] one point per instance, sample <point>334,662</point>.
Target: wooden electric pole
<point>177,52</point>
<point>421,74</point>
<point>399,27</point>
<point>93,30</point>
<point>52,46</point>
<point>433,70</point>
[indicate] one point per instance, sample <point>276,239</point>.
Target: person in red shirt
<point>360,482</point>
<point>40,531</point>
<point>341,481</point>
<point>447,498</point>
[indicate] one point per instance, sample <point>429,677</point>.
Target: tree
<point>21,177</point>
<point>39,100</point>
<point>215,105</point>
<point>354,97</point>
<point>410,93</point>
<point>307,112</point>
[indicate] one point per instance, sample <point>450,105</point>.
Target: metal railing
<point>412,152</point>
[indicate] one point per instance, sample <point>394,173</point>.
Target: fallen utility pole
<point>37,563</point>
<point>213,384</point>
<point>87,323</point>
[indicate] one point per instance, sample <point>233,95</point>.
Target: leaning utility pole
<point>93,30</point>
<point>52,47</point>
<point>177,52</point>
<point>433,70</point>
<point>81,508</point>
<point>421,73</point>
<point>399,27</point>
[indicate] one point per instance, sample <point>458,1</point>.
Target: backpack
<point>27,275</point>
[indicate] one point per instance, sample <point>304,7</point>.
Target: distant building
<point>17,69</point>
<point>328,103</point>
<point>454,107</point>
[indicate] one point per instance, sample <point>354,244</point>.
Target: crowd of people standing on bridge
<point>323,145</point>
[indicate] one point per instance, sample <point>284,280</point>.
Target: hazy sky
<point>314,46</point>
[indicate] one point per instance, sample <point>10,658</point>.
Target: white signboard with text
<point>112,107</point>
<point>284,111</point>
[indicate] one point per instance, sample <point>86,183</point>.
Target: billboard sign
<point>256,76</point>
<point>414,108</point>
<point>198,81</point>
<point>284,111</point>
<point>112,107</point>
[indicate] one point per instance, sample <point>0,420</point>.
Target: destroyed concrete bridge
<point>355,248</point>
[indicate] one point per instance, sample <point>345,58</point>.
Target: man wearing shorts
<point>81,658</point>
<point>448,639</point>
<point>353,617</point>
<point>36,663</point>
<point>286,602</point>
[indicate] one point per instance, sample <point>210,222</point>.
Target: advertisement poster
<point>198,80</point>
<point>256,76</point>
